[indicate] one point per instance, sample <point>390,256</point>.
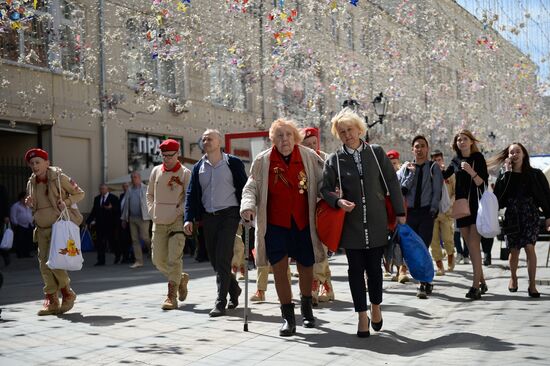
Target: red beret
<point>169,145</point>
<point>311,131</point>
<point>36,153</point>
<point>392,154</point>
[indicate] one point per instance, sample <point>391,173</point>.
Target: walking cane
<point>246,227</point>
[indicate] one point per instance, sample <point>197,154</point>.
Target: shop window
<point>144,152</point>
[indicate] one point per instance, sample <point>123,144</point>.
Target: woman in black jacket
<point>471,174</point>
<point>356,170</point>
<point>522,190</point>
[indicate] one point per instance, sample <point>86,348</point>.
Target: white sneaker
<point>459,258</point>
<point>466,260</point>
<point>136,265</point>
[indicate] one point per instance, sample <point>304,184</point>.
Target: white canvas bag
<point>487,215</point>
<point>65,244</point>
<point>7,238</point>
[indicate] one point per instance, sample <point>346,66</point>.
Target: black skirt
<point>523,212</point>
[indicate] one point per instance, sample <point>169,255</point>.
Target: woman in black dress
<point>471,174</point>
<point>522,190</point>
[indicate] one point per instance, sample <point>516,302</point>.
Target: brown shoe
<point>440,270</point>
<point>51,305</point>
<point>315,292</point>
<point>69,298</point>
<point>327,294</point>
<point>451,263</point>
<point>259,296</point>
<point>171,301</point>
<point>182,288</point>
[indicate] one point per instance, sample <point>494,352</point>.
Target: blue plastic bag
<point>415,254</point>
<point>87,245</point>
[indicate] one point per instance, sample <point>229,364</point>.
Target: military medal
<point>279,175</point>
<point>302,182</point>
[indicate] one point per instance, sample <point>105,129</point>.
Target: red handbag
<point>390,212</point>
<point>329,222</point>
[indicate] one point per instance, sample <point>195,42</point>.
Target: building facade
<point>100,89</point>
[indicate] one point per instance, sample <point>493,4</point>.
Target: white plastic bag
<point>487,215</point>
<point>65,246</point>
<point>445,202</point>
<point>7,239</point>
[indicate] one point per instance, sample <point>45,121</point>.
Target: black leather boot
<point>289,326</point>
<point>307,311</point>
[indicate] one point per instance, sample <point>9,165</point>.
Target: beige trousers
<point>139,229</point>
<point>54,279</point>
<point>443,224</point>
<point>262,273</point>
<point>321,271</point>
<point>167,249</point>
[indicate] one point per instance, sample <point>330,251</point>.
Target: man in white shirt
<point>22,225</point>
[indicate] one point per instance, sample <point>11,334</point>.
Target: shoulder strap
<point>380,169</point>
<point>339,177</point>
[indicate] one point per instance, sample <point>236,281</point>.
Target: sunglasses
<point>166,156</point>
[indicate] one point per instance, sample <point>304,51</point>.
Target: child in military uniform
<point>50,191</point>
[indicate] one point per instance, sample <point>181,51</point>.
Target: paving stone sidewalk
<point>117,320</point>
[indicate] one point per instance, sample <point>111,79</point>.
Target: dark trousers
<point>460,249</point>
<point>201,253</point>
<point>487,245</point>
<point>219,235</point>
<point>359,262</point>
<point>422,222</point>
<point>23,241</point>
<point>125,244</point>
<point>104,238</point>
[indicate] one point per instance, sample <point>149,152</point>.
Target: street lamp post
<point>380,103</point>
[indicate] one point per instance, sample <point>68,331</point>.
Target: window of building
<point>299,95</point>
<point>227,81</point>
<point>334,27</point>
<point>146,67</point>
<point>52,38</point>
<point>348,30</point>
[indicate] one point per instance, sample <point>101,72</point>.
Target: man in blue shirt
<point>421,184</point>
<point>214,197</point>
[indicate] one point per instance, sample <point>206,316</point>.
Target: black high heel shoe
<point>513,289</point>
<point>535,295</point>
<point>377,326</point>
<point>364,333</point>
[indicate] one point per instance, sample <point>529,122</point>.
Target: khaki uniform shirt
<point>45,197</point>
<point>166,194</point>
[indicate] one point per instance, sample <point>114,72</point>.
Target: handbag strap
<point>340,193</point>
<point>380,169</point>
<point>65,211</point>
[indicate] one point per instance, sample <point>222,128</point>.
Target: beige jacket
<point>44,208</point>
<point>255,199</point>
<point>166,194</point>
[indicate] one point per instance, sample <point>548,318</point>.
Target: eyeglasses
<point>167,156</point>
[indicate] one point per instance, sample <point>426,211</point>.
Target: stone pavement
<point>117,320</point>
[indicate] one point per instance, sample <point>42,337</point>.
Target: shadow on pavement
<point>391,343</point>
<point>94,320</point>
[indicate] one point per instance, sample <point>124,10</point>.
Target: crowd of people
<point>278,198</point>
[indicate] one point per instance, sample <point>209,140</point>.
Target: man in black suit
<point>106,215</point>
